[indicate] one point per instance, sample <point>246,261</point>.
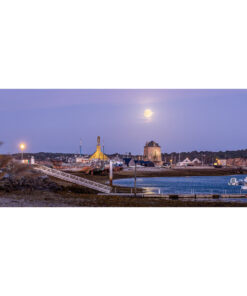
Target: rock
<point>11,183</point>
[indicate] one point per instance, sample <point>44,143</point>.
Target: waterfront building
<point>32,160</point>
<point>98,155</point>
<point>221,162</point>
<point>152,152</point>
<point>126,161</point>
<point>81,159</point>
<point>240,162</point>
<point>188,162</point>
<point>185,162</point>
<point>196,162</point>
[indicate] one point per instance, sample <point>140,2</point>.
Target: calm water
<point>186,185</point>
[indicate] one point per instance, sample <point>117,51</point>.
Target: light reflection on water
<point>185,185</point>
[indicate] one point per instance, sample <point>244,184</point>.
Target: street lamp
<point>22,147</point>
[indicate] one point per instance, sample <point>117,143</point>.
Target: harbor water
<point>186,185</point>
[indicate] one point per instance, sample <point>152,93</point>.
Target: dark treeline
<point>45,156</point>
<point>205,156</point>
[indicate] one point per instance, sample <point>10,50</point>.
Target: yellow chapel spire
<point>98,155</point>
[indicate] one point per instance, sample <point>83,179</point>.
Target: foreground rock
<point>15,177</point>
<point>18,177</point>
<point>11,183</point>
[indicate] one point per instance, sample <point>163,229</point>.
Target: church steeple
<point>98,155</point>
<point>98,144</point>
<point>98,141</point>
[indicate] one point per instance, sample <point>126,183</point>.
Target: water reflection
<point>185,185</point>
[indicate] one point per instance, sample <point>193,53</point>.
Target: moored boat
<point>244,187</point>
<point>233,182</point>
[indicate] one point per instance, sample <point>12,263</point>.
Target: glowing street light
<point>22,147</point>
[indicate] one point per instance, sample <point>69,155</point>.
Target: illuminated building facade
<point>98,155</point>
<point>152,152</point>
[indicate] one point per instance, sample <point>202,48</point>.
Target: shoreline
<point>128,173</point>
<point>69,199</point>
<point>69,195</point>
<point>163,172</point>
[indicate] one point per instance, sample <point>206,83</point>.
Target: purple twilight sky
<point>183,120</point>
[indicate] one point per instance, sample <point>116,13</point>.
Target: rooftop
<point>152,144</point>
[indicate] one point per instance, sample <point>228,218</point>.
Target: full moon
<point>148,113</point>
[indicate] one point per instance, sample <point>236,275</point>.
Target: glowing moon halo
<point>148,113</point>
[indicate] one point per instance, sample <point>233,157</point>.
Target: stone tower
<point>152,152</point>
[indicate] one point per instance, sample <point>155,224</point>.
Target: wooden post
<point>111,173</point>
<point>135,178</point>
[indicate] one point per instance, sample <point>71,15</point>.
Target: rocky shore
<point>26,184</point>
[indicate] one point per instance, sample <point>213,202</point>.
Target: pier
<point>74,179</point>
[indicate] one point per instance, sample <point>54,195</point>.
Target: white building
<point>188,162</point>
<point>81,160</point>
<point>32,160</point>
<point>185,162</point>
<point>196,162</point>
